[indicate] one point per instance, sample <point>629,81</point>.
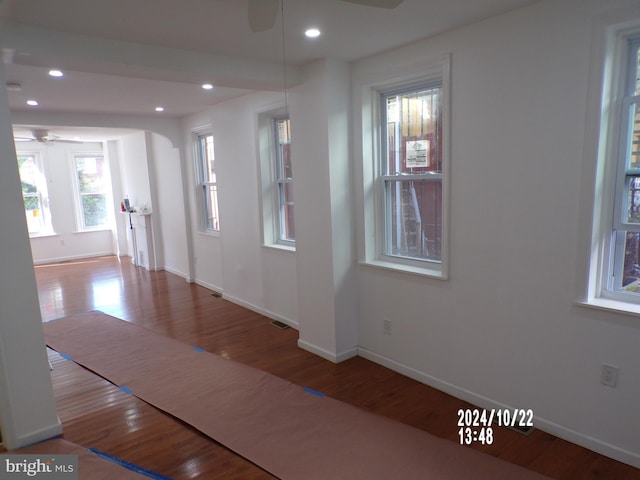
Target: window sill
<point>610,305</point>
<point>398,267</point>
<point>282,248</point>
<point>209,233</point>
<point>43,235</point>
<point>93,230</point>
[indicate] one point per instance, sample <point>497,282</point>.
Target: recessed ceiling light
<point>159,109</point>
<point>56,73</point>
<point>207,86</point>
<point>33,103</point>
<point>312,32</point>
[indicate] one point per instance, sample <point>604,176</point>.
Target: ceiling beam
<point>38,46</point>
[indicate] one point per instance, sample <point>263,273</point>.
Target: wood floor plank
<point>96,414</point>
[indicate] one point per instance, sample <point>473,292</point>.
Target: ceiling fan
<point>263,13</point>
<point>43,136</point>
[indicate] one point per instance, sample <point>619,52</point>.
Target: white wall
<point>134,168</point>
<point>67,243</point>
<point>236,263</point>
<point>504,330</point>
<point>169,210</point>
<point>151,172</point>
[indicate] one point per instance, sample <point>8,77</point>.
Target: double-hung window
<point>276,179</point>
<point>622,278</point>
<point>284,180</point>
<point>93,184</point>
<point>410,185</point>
<point>207,186</point>
<point>34,192</point>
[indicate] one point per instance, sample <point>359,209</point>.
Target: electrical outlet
<point>609,375</point>
<point>386,326</point>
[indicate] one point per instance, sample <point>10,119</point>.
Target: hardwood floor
<point>96,414</point>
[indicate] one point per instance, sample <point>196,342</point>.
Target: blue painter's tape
<point>126,389</point>
<point>128,465</point>
<point>313,392</point>
<point>198,349</point>
<point>66,356</point>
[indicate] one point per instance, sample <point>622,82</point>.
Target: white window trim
<point>196,133</point>
<point>373,205</point>
<point>602,142</point>
<point>80,227</point>
<point>267,178</point>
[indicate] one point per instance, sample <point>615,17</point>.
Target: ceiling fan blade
<point>262,14</point>
<point>377,3</point>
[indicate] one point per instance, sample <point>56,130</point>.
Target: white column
<point>27,407</point>
<point>324,212</point>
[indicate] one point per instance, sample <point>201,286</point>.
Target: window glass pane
<point>414,132</point>
<point>633,192</point>
<point>93,188</point>
<point>91,178</point>
<point>211,207</point>
<point>284,177</point>
<point>207,177</point>
<point>94,210</point>
<point>287,193</point>
<point>633,149</point>
<point>631,273</point>
<point>287,229</point>
<point>209,159</point>
<point>29,178</point>
<point>414,223</point>
<point>288,232</point>
<point>285,167</point>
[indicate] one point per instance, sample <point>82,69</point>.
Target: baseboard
<point>326,354</point>
<point>208,286</point>
<point>261,311</point>
<point>40,435</point>
<point>603,448</point>
<point>72,257</point>
<point>176,272</point>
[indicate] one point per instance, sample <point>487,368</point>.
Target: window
<point>624,266</point>
<point>404,200</point>
<point>614,253</point>
<point>411,172</point>
<point>207,183</point>
<point>34,192</point>
<point>284,180</point>
<point>276,174</point>
<point>93,191</point>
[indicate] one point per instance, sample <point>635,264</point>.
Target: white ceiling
<point>129,56</point>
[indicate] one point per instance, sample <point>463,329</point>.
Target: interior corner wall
<point>112,152</point>
<point>136,177</point>
<point>236,262</point>
<point>169,205</point>
<point>135,171</point>
<point>504,329</point>
<point>27,407</point>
